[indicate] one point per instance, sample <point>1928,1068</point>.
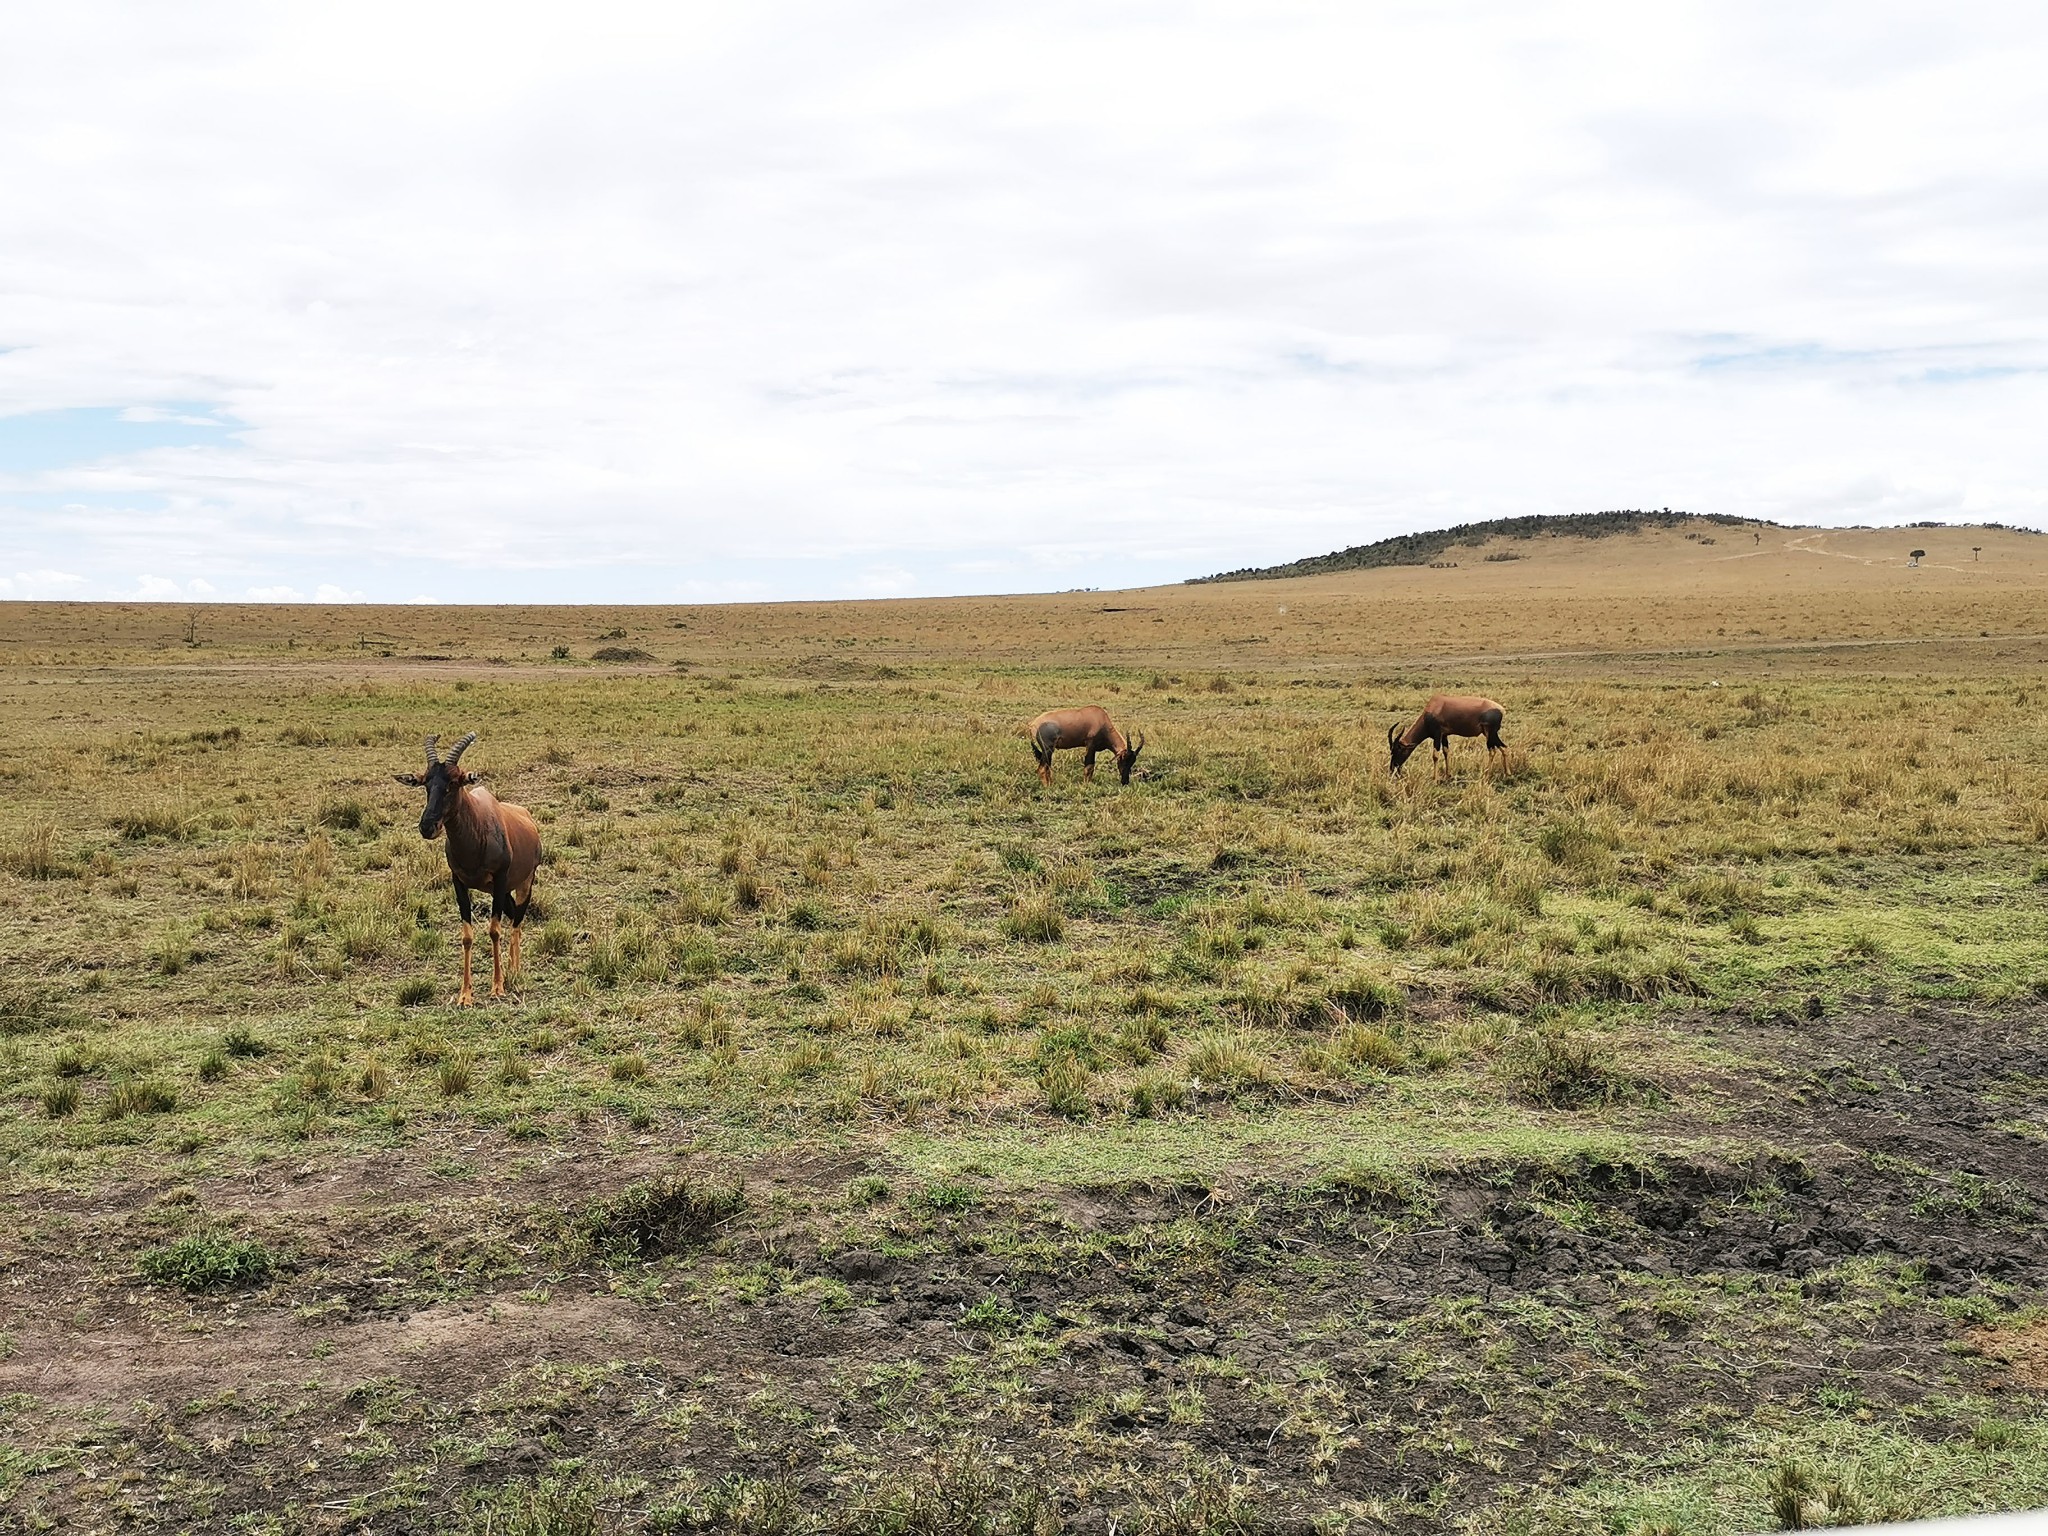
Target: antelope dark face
<point>442,781</point>
<point>1400,751</point>
<point>1127,759</point>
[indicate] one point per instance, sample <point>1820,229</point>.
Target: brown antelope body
<point>1444,716</point>
<point>1088,729</point>
<point>492,846</point>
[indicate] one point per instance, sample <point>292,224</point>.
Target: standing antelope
<point>1086,728</point>
<point>1444,716</point>
<point>491,847</point>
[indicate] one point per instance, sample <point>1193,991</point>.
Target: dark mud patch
<point>1316,1348</point>
<point>1952,1089</point>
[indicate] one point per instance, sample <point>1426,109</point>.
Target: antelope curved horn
<point>432,756</point>
<point>1138,745</point>
<point>1391,732</point>
<point>461,747</point>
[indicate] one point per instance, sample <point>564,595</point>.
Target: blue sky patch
<point>36,441</point>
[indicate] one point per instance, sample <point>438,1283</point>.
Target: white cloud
<point>274,595</point>
<point>42,584</point>
<point>162,589</point>
<point>328,592</point>
<point>642,300</point>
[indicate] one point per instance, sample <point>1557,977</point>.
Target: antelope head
<point>1128,758</point>
<point>442,780</point>
<point>1398,748</point>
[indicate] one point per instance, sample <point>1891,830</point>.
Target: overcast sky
<point>605,302</point>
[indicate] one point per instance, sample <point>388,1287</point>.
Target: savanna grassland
<point>1645,1133</point>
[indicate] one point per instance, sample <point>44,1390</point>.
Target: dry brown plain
<point>1648,1135</point>
<point>1634,596</point>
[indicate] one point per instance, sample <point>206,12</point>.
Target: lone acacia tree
<point>1916,557</point>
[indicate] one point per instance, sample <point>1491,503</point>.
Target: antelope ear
<point>409,778</point>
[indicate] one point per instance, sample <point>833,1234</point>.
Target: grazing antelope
<point>1444,716</point>
<point>1088,729</point>
<point>491,847</point>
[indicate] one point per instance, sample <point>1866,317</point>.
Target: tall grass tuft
<point>1036,918</point>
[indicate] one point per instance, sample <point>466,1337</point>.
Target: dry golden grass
<point>1563,597</point>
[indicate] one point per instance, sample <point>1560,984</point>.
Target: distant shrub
<point>209,1261</point>
<point>620,653</point>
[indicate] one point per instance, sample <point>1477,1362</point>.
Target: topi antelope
<point>491,847</point>
<point>1444,716</point>
<point>1085,728</point>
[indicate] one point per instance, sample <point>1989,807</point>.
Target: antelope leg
<point>466,998</point>
<point>497,961</point>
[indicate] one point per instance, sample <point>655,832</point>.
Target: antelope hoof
<point>465,998</point>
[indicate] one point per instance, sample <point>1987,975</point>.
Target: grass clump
<point>1802,1499</point>
<point>1066,1084</point>
<point>1226,1061</point>
<point>415,992</point>
<point>153,818</point>
<point>33,855</point>
<point>346,814</point>
<point>652,1219</point>
<point>1362,995</point>
<point>1562,1068</point>
<point>244,1043</point>
<point>1036,918</point>
<point>61,1098</point>
<point>1370,1047</point>
<point>209,1261</point>
<point>547,1506</point>
<point>140,1096</point>
<point>28,1010</point>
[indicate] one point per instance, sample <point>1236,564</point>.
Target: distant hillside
<point>1421,548</point>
